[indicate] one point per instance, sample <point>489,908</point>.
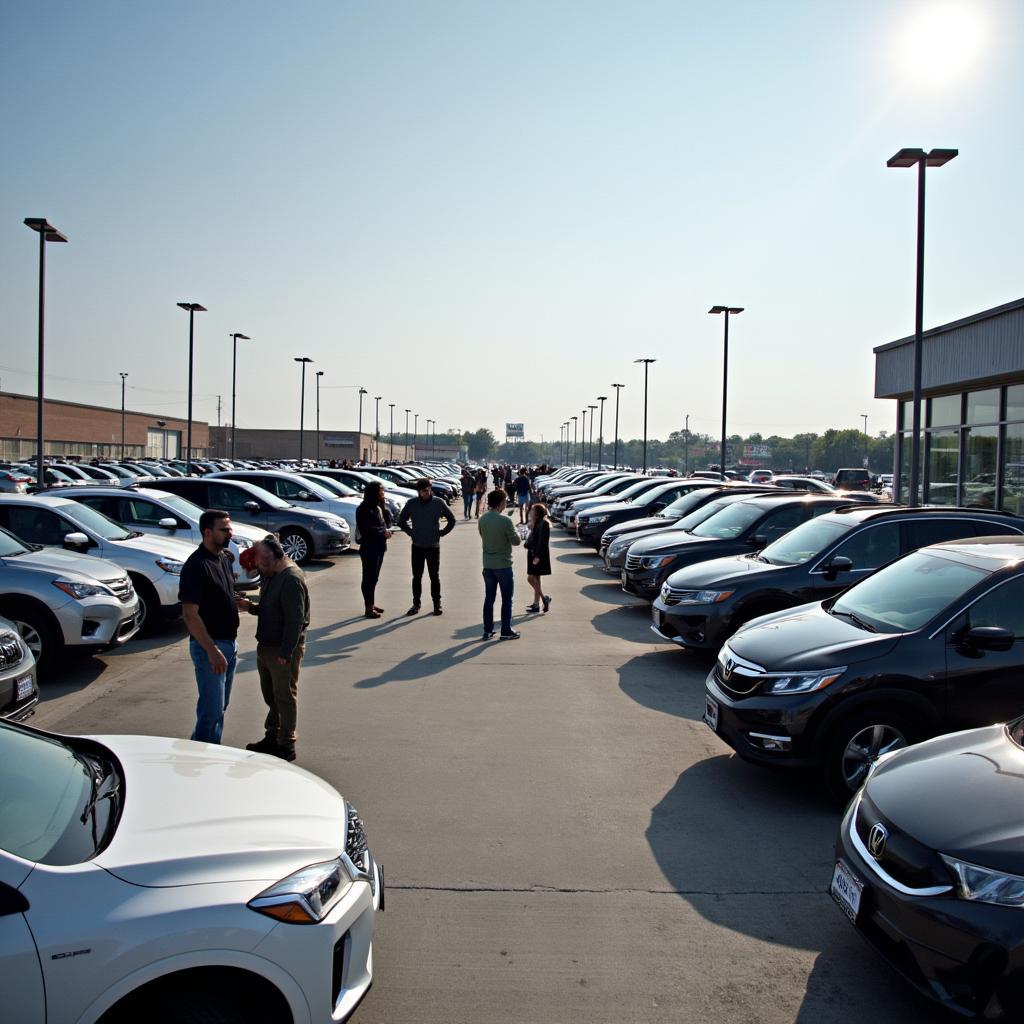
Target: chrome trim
<point>785,740</point>
<point>932,890</point>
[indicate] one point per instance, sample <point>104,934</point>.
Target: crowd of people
<point>211,608</point>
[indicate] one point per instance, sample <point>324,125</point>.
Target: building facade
<point>256,443</point>
<point>972,412</point>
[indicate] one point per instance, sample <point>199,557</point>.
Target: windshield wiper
<point>856,620</point>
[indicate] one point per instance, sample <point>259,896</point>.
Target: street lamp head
<point>46,229</point>
<point>242,337</point>
<point>602,398</point>
<point>302,359</point>
<point>192,307</point>
<point>363,391</point>
<point>645,360</point>
<point>726,309</point>
<point>905,158</point>
<point>123,375</point>
<point>319,373</point>
<point>938,157</point>
<point>391,405</point>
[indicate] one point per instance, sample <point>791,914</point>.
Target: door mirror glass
<point>989,638</point>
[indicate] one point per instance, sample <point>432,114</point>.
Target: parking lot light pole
<point>302,401</point>
<point>575,450</point>
<point>319,374</point>
<point>583,441</point>
<point>686,447</point>
<point>416,431</point>
<point>192,308</point>
<point>600,431</point>
<point>234,376</point>
<point>362,391</point>
<point>725,370</point>
<point>123,376</point>
<point>391,434</point>
<point>47,233</point>
<point>615,460</point>
<point>407,411</point>
<point>376,428</point>
<point>565,459</point>
<point>867,458</point>
<point>647,363</point>
<point>590,456</point>
<point>920,159</point>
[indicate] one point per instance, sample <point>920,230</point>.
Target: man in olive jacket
<point>421,520</point>
<point>283,618</point>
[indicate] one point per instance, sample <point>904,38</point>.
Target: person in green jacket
<point>498,536</point>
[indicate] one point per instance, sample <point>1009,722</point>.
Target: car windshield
<point>638,488</point>
<point>807,540</point>
<point>187,508</point>
<point>693,519</point>
<point>730,522</point>
<point>685,504</point>
<point>49,811</point>
<point>82,515</point>
<point>119,472</point>
<point>10,546</point>
<point>907,594</point>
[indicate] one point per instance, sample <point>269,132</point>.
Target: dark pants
<point>431,557</point>
<point>279,686</point>
<point>372,559</point>
<point>493,579</point>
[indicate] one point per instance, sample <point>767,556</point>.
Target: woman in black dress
<point>373,522</point>
<point>538,555</point>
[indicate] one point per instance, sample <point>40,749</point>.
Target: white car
<point>144,878</point>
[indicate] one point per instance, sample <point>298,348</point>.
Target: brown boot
<point>371,612</point>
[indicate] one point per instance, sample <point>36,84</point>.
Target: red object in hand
<point>247,559</point>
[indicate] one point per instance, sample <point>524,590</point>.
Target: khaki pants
<point>279,684</point>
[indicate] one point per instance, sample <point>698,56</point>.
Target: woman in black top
<point>538,555</point>
<point>373,522</point>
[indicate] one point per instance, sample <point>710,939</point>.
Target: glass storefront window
<point>983,406</point>
<point>1013,468</point>
<point>907,415</point>
<point>1015,402</point>
<point>944,411</point>
<point>980,466</point>
<point>943,467</point>
<point>903,491</point>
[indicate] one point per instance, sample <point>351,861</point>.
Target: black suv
<point>702,605</point>
<point>930,644</point>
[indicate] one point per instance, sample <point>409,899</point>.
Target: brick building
<point>255,443</point>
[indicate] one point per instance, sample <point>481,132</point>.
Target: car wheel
<point>149,605</point>
<point>297,545</point>
<point>857,743</point>
<point>40,634</point>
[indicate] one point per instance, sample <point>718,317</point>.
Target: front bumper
<point>99,621</point>
<point>641,583</point>
<point>699,626</point>
<point>966,956</point>
<point>330,542</point>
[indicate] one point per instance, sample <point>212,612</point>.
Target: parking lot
<point>563,838</point>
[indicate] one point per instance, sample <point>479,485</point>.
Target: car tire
<point>190,1006</point>
<point>41,634</point>
<point>149,605</point>
<point>857,741</point>
<point>297,544</point>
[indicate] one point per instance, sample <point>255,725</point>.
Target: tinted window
<point>95,521</point>
<point>805,541</point>
<point>872,547</point>
<point>1004,607</point>
<point>231,499</point>
<point>138,510</point>
<point>106,505</point>
<point>921,532</point>
<point>35,525</point>
<point>730,522</point>
<point>781,522</point>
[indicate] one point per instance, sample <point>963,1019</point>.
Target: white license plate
<point>846,890</point>
<point>22,687</point>
<point>711,713</point>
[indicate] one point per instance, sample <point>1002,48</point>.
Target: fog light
<point>89,627</point>
<point>774,744</point>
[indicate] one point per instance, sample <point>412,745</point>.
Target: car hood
<point>731,569</point>
<point>676,540</point>
<point>162,547</point>
<point>198,813</point>
<point>960,795</point>
<point>609,507</point>
<point>53,560</point>
<point>807,637</point>
<point>247,532</point>
<point>634,526</point>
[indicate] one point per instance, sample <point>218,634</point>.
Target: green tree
<point>481,443</point>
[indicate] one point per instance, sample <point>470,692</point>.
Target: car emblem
<point>876,840</point>
<point>730,664</point>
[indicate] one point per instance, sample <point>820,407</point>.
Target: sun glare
<point>941,42</point>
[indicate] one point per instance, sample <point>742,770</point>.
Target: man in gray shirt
<point>421,520</point>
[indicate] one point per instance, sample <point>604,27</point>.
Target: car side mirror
<point>12,901</point>
<point>306,496</point>
<point>989,638</point>
<point>252,506</point>
<point>168,523</point>
<point>76,540</point>
<point>837,565</point>
<point>758,541</point>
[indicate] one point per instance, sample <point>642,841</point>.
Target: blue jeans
<point>493,579</point>
<point>467,502</point>
<point>214,690</point>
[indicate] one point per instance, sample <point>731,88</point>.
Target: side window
<point>1003,606</point>
<point>920,532</point>
<point>872,547</point>
<point>231,499</point>
<point>778,523</point>
<point>287,488</point>
<point>37,525</point>
<point>138,510</point>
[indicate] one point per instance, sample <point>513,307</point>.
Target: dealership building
<point>972,409</point>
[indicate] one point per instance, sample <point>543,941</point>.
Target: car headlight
<point>983,885</point>
<point>594,520</point>
<point>171,565</point>
<point>696,596</point>
<point>656,561</point>
<point>334,524</point>
<point>617,547</point>
<point>803,682</point>
<point>80,591</point>
<point>306,896</point>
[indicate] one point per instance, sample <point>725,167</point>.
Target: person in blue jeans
<point>524,489</point>
<point>498,536</point>
<point>206,590</point>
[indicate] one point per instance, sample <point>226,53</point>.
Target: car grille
<point>122,588</point>
<point>673,595</point>
<point>633,561</point>
<point>355,840</point>
<point>903,858</point>
<point>10,651</point>
<point>737,676</point>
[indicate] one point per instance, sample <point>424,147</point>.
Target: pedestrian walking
<point>282,613</point>
<point>421,520</point>
<point>373,521</point>
<point>538,555</point>
<point>498,536</point>
<point>468,486</point>
<point>523,489</point>
<point>206,589</point>
<point>480,489</point>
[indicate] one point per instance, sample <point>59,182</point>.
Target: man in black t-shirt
<point>207,594</point>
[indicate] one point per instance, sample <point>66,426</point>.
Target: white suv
<point>145,879</point>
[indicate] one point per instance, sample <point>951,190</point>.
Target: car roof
<point>982,552</point>
<point>790,497</point>
<point>29,499</point>
<point>865,511</point>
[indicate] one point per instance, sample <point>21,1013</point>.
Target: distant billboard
<point>514,430</point>
<point>757,451</point>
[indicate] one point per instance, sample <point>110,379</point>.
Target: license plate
<point>623,577</point>
<point>846,890</point>
<point>658,616</point>
<point>22,687</point>
<point>711,713</point>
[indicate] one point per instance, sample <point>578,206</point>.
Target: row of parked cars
<point>878,647</point>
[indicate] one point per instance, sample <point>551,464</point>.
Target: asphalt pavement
<point>563,839</point>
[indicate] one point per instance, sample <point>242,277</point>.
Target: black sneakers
<point>267,745</point>
<point>510,636</point>
<point>414,610</point>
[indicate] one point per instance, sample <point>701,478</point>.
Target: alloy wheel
<point>33,641</point>
<point>865,747</point>
<point>295,547</point>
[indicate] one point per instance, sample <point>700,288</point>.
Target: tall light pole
<point>565,452</point>
<point>864,417</point>
<point>362,391</point>
<point>600,432</point>
<point>575,451</point>
<point>407,411</point>
<point>302,401</point>
<point>561,443</point>
<point>686,447</point>
<point>725,370</point>
<point>123,377</point>
<point>583,439</point>
<point>647,363</point>
<point>910,158</point>
<point>192,308</point>
<point>161,424</point>
<point>590,457</point>
<point>376,428</point>
<point>319,374</point>
<point>416,431</point>
<point>391,434</point>
<point>47,233</point>
<point>234,376</point>
<point>618,388</point>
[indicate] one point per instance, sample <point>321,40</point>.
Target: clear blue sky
<point>485,211</point>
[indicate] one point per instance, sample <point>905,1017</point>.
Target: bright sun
<point>941,41</point>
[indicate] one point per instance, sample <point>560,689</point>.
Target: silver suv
<point>153,563</point>
<point>19,693</point>
<point>59,600</point>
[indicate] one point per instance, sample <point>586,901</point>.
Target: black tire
<point>297,544</point>
<point>39,631</point>
<point>856,742</point>
<point>149,605</point>
<point>189,1007</point>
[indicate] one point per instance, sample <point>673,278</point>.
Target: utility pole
<point>123,376</point>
